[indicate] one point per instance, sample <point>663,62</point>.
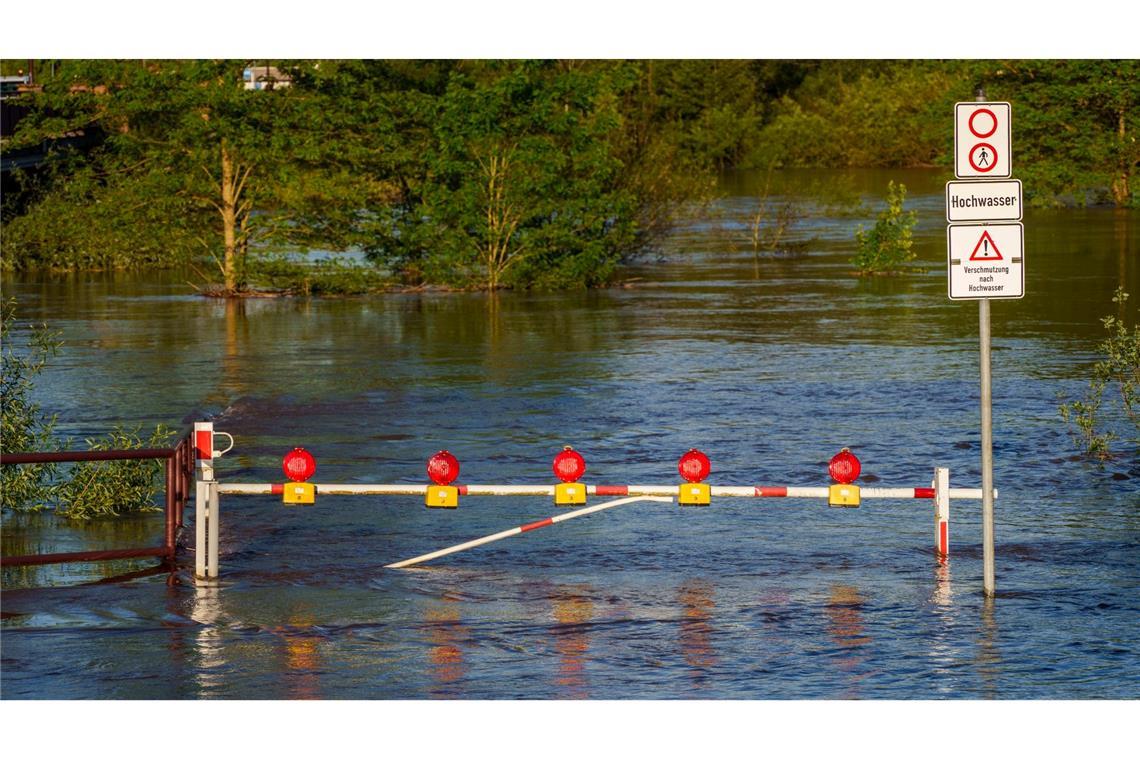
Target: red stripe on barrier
<point>771,490</point>
<point>462,490</point>
<point>944,539</point>
<point>277,488</point>
<point>204,443</point>
<point>536,525</point>
<point>924,493</point>
<point>611,490</point>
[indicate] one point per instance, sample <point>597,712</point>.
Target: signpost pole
<point>987,438</point>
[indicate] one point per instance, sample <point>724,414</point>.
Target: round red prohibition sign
<point>986,160</point>
<point>993,122</point>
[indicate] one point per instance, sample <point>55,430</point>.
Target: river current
<point>769,362</point>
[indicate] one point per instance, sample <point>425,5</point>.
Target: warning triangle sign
<point>985,250</point>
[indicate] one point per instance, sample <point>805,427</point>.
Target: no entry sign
<point>982,140</point>
<point>985,261</point>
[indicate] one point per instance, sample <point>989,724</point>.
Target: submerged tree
<point>190,164</point>
<point>519,182</point>
<point>473,173</point>
<point>886,247</point>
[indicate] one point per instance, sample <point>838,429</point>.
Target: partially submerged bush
<point>113,488</point>
<point>887,247</point>
<point>1120,367</point>
<point>24,426</point>
<point>91,489</point>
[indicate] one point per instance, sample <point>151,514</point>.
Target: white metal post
<point>988,585</point>
<point>214,530</point>
<point>987,453</point>
<point>203,476</point>
<point>942,512</point>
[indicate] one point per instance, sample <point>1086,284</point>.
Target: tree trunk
<point>501,217</point>
<point>229,221</point>
<point>1121,192</point>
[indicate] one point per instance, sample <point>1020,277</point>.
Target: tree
<point>473,173</point>
<point>191,163</point>
<point>519,184</point>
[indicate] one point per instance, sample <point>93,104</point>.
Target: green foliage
<point>1120,368</point>
<point>91,489</point>
<point>465,173</point>
<point>1075,127</point>
<point>887,247</point>
<point>24,425</point>
<point>523,180</point>
<point>523,174</point>
<point>113,488</point>
<point>864,113</point>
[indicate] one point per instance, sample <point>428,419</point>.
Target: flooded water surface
<point>767,362</point>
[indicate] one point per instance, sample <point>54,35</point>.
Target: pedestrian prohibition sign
<point>982,140</point>
<point>985,261</point>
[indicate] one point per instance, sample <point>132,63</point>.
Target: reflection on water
<point>206,611</point>
<point>573,613</point>
<point>845,624</point>
<point>942,595</point>
<point>302,666</point>
<point>697,606</point>
<point>236,340</point>
<point>445,653</point>
<point>988,658</point>
<point>943,648</point>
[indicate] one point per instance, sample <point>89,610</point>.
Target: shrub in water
<point>887,246</point>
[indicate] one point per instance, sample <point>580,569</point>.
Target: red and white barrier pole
<point>942,495</point>
<point>525,529</point>
<point>791,492</point>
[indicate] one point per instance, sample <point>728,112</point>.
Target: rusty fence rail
<point>179,474</point>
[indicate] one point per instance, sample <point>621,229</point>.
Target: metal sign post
<point>987,451</point>
<point>985,259</point>
<point>988,584</point>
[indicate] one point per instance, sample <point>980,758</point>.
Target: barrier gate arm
<point>208,492</point>
<point>525,529</point>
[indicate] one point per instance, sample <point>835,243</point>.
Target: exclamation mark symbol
<point>986,243</point>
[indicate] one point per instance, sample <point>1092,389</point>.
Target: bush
<point>1120,367</point>
<point>110,489</point>
<point>93,489</point>
<point>887,247</point>
<point>24,426</point>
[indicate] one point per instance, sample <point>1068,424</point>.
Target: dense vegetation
<point>521,174</point>
<point>80,491</point>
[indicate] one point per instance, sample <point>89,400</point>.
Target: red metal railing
<point>179,475</point>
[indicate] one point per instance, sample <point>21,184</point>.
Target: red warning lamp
<point>569,465</point>
<point>299,465</point>
<point>844,467</point>
<point>694,466</point>
<point>443,468</point>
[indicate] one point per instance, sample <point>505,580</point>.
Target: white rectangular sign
<point>985,261</point>
<point>982,141</point>
<point>992,201</point>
